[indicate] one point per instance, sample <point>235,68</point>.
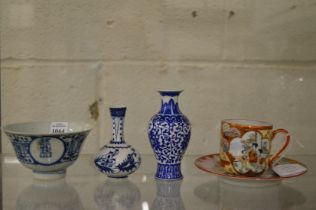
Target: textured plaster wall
<point>233,59</point>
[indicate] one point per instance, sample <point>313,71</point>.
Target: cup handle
<point>285,145</point>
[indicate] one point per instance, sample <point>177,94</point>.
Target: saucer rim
<point>243,178</point>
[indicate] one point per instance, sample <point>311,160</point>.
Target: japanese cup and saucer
<point>245,154</point>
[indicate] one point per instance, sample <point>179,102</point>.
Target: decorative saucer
<point>211,164</point>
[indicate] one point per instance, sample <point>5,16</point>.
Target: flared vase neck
<point>118,116</point>
<point>169,103</point>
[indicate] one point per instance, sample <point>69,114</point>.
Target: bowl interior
<point>44,128</point>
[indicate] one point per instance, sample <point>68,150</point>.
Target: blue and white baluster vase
<point>169,133</point>
<point>117,159</point>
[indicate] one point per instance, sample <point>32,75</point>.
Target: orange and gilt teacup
<point>245,146</point>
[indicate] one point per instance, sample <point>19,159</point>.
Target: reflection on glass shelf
<point>255,197</point>
<point>117,194</point>
<point>53,195</point>
<point>168,196</point>
<point>84,188</point>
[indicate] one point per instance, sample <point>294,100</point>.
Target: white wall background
<point>233,58</point>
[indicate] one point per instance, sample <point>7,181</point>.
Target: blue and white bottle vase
<point>117,159</point>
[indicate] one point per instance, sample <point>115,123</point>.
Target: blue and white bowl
<point>47,154</point>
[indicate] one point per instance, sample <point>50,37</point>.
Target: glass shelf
<point>85,188</point>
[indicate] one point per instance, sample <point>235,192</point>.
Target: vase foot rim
<point>169,172</point>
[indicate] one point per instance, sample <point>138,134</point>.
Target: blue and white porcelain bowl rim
<point>17,128</point>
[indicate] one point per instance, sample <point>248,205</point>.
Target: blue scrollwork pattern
<point>169,137</point>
